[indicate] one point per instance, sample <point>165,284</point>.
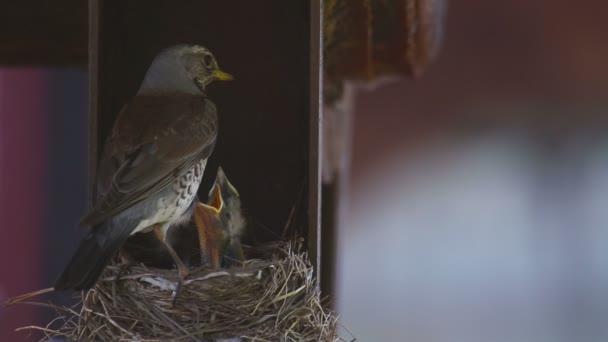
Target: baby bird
<point>220,223</point>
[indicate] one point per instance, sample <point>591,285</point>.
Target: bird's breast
<point>176,200</point>
<point>186,186</point>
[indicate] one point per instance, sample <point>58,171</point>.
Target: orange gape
<point>210,231</point>
<point>210,234</point>
<point>220,223</point>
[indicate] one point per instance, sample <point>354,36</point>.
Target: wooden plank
<point>93,68</point>
<point>315,142</point>
<point>43,32</point>
<point>364,41</point>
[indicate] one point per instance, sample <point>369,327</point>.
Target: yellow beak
<point>222,76</point>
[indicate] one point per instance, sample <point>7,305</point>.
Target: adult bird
<point>153,161</point>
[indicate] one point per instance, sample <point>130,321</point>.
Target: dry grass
<point>270,299</point>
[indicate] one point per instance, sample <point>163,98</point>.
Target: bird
<point>152,163</point>
<point>220,223</point>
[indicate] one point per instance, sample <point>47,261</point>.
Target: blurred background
<point>478,195</point>
<point>43,184</point>
<point>476,206</point>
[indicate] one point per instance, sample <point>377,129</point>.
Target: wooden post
<point>365,41</point>
<point>316,143</point>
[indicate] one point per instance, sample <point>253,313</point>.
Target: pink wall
<point>23,122</point>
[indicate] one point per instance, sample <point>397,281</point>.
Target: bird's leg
<point>182,269</point>
<point>125,265</point>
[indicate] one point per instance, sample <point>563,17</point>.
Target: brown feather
<point>140,159</point>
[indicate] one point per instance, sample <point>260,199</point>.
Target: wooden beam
<point>94,76</point>
<point>315,142</point>
<point>43,32</point>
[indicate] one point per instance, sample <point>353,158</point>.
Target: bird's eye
<point>208,60</point>
<point>228,216</point>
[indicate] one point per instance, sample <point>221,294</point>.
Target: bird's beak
<point>222,76</point>
<point>223,181</point>
<point>215,198</point>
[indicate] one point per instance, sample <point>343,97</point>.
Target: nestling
<point>220,223</point>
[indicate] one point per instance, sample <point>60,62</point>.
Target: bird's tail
<point>94,253</point>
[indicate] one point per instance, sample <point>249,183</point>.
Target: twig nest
<point>271,299</point>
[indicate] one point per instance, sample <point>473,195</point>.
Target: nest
<point>274,298</point>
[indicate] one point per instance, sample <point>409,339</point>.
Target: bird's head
<point>201,66</point>
<point>187,68</point>
<point>226,200</point>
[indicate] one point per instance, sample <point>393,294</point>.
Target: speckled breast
<point>173,202</point>
<point>177,200</point>
<point>185,189</point>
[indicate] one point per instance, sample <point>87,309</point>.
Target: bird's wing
<point>155,139</point>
